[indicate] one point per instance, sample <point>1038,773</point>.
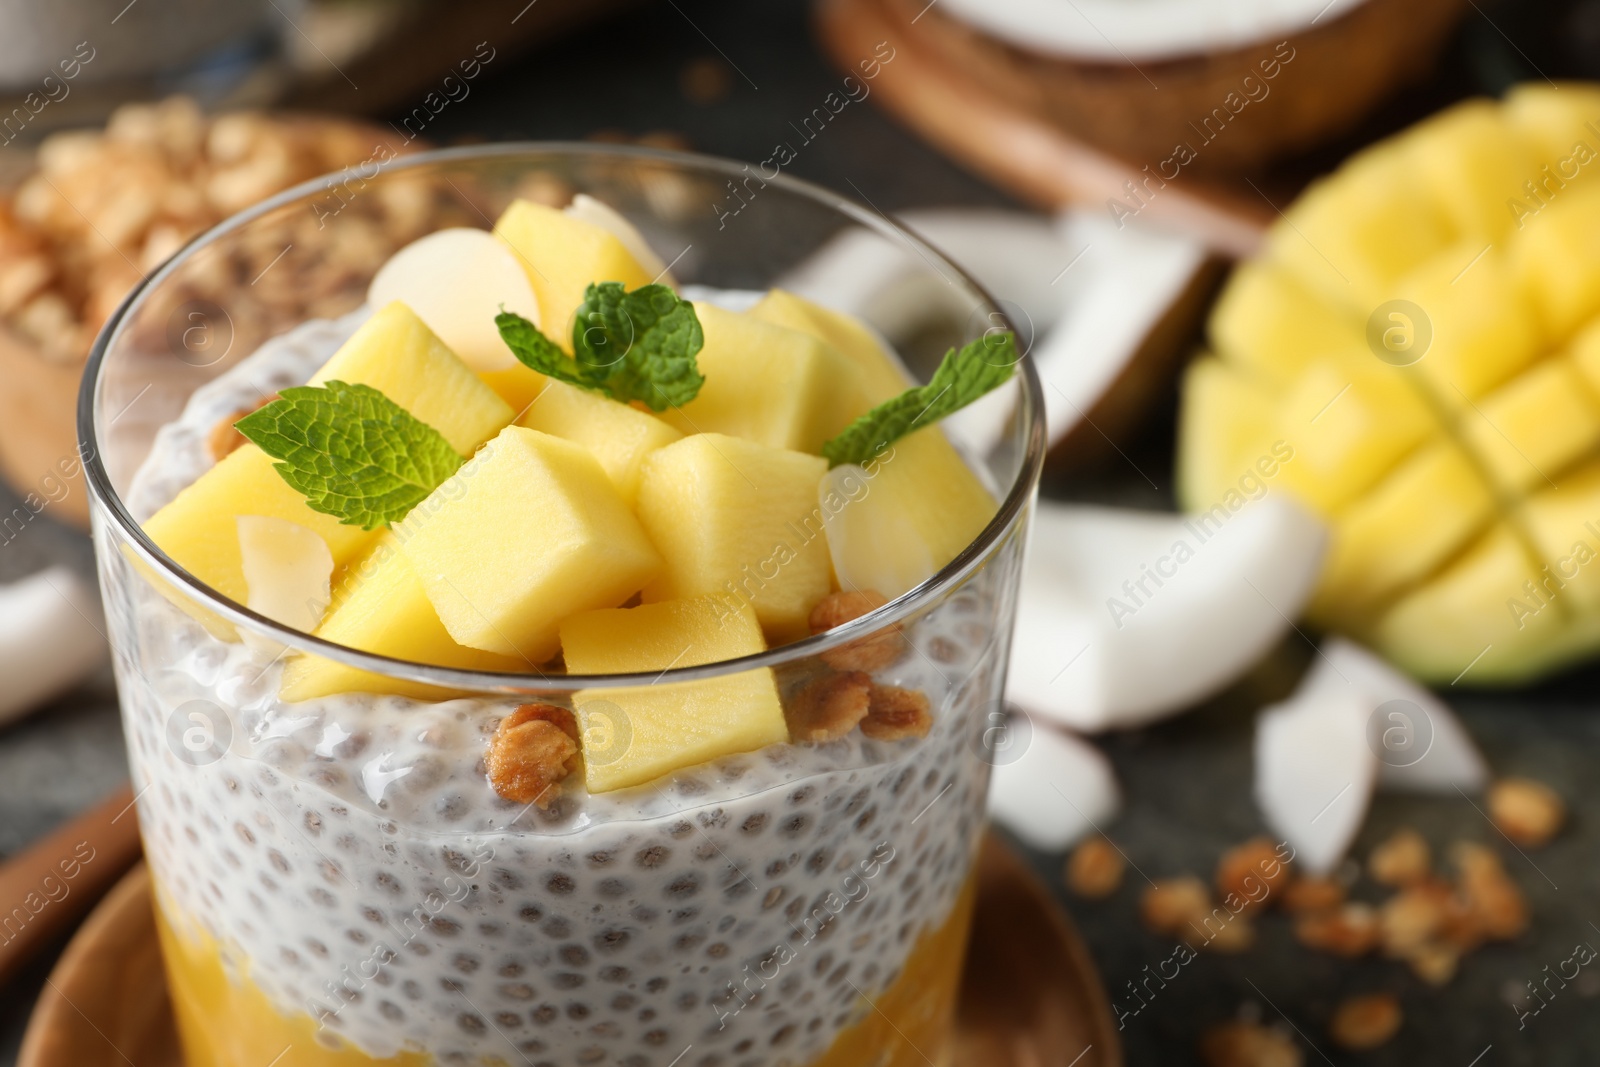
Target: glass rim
<point>1011,506</point>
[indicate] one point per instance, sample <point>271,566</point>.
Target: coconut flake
<point>288,571</point>
<point>1057,789</point>
<point>586,208</point>
<point>1127,616</point>
<point>50,638</point>
<point>457,280</point>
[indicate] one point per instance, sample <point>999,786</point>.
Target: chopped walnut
<point>1309,895</point>
<point>225,436</point>
<point>1411,918</point>
<point>1526,811</point>
<point>1400,860</point>
<point>1172,905</point>
<point>1251,872</point>
<point>1241,1044</point>
<point>1094,870</point>
<point>870,653</point>
<point>896,714</point>
<point>1496,906</point>
<point>1365,1022</point>
<point>532,751</point>
<point>1349,931</point>
<point>829,707</point>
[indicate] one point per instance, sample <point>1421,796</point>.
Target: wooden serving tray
<point>1030,996</point>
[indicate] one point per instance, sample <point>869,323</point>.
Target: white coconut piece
<point>1125,616</point>
<point>1057,790</point>
<point>457,280</point>
<point>288,571</point>
<point>873,542</point>
<point>51,636</point>
<point>1314,770</point>
<point>1114,31</point>
<point>1422,747</point>
<point>586,208</point>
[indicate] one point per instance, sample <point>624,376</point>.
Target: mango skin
<point>1462,487</point>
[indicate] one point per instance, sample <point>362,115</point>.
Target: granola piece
<point>1349,931</point>
<point>1526,811</point>
<point>896,714</point>
<point>870,653</point>
<point>1241,1044</point>
<point>1252,871</point>
<point>225,436</point>
<point>1094,870</point>
<point>532,751</point>
<point>1435,964</point>
<point>1496,906</point>
<point>1229,935</point>
<point>1363,1023</point>
<point>829,707</point>
<point>1173,905</point>
<point>1413,917</point>
<point>1401,860</point>
<point>1305,896</point>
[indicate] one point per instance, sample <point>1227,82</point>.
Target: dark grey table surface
<point>1186,781</point>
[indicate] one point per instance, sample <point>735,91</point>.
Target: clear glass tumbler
<point>337,882</point>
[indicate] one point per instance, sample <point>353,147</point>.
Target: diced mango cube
<point>517,386</point>
<point>1404,527</point>
<point>1552,257</point>
<point>768,384</point>
<point>395,353</point>
<point>633,735</point>
<point>1564,524</point>
<point>738,520</point>
<point>617,435</point>
<point>1472,160</point>
<point>1229,420</point>
<point>1554,119</point>
<point>1270,325</point>
<point>380,607</point>
<point>563,257</point>
<point>882,374</point>
<point>199,529</point>
<point>1528,430</point>
<point>526,533</point>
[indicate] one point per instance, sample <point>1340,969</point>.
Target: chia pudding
<point>347,857</point>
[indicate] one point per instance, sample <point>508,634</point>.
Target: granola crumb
<point>896,714</point>
<point>870,653</point>
<point>1172,904</point>
<point>1095,868</point>
<point>1435,964</point>
<point>1305,896</point>
<point>1230,937</point>
<point>532,751</point>
<point>1412,917</point>
<point>225,437</point>
<point>1526,811</point>
<point>1365,1022</point>
<point>829,707</point>
<point>1241,1044</point>
<point>1349,931</point>
<point>1495,904</point>
<point>1401,860</point>
<point>1252,871</point>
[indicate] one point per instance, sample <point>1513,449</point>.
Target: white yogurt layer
<point>352,857</point>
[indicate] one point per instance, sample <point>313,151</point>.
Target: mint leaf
<point>629,346</point>
<point>963,376</point>
<point>352,451</point>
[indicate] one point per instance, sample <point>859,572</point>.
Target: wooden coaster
<point>1030,996</point>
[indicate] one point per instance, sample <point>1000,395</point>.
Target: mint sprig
<point>963,376</point>
<point>638,345</point>
<point>351,451</point>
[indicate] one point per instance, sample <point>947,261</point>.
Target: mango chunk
<point>768,384</point>
<point>738,520</point>
<point>1402,529</point>
<point>617,435</point>
<point>380,606</point>
<point>1564,524</point>
<point>1472,159</point>
<point>526,533</point>
<point>518,386</point>
<point>199,529</point>
<point>1347,426</point>
<point>631,736</point>
<point>1270,325</point>
<point>563,257</point>
<point>882,374</point>
<point>1532,427</point>
<point>1228,422</point>
<point>1554,120</point>
<point>1552,257</point>
<point>396,354</point>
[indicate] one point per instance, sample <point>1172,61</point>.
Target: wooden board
<point>1030,996</point>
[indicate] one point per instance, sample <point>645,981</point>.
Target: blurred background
<point>1008,132</point>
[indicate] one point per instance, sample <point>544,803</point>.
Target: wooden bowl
<point>1030,996</point>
